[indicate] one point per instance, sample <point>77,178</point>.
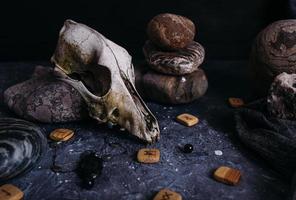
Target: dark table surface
<point>189,174</point>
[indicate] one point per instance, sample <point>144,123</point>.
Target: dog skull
<point>103,73</point>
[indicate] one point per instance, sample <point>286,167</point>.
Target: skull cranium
<point>103,73</point>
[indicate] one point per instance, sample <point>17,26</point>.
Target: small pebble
<point>218,153</point>
<point>61,134</point>
<point>166,194</point>
<point>10,192</point>
<point>235,102</point>
<point>227,175</point>
<point>187,119</point>
<point>188,148</point>
<point>148,155</point>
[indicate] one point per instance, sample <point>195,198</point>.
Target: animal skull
<point>103,73</point>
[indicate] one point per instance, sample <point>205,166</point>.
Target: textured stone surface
<point>273,52</point>
<point>170,89</point>
<point>188,174</point>
<point>182,61</point>
<point>281,101</point>
<point>45,99</point>
<point>170,31</point>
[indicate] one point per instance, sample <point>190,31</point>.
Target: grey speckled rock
<point>45,99</point>
<point>170,89</point>
<point>273,52</point>
<point>179,62</point>
<point>281,101</point>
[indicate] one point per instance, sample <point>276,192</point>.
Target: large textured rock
<point>273,52</point>
<point>183,61</point>
<point>170,31</point>
<point>169,89</point>
<point>45,99</point>
<point>281,101</point>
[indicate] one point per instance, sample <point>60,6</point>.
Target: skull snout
<point>139,118</point>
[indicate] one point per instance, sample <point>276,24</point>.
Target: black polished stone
<point>188,148</point>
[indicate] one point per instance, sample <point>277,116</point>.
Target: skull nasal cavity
<point>97,79</point>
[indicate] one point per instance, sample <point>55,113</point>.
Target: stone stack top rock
<point>170,31</point>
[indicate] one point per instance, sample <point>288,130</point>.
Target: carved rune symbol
<point>188,118</point>
<point>150,153</point>
<point>166,196</point>
<point>6,192</point>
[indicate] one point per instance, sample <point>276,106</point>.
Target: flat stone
<point>170,89</point>
<point>281,102</point>
<point>180,62</point>
<point>61,134</point>
<point>273,52</point>
<point>227,175</point>
<point>187,119</point>
<point>236,102</point>
<point>166,194</point>
<point>148,155</point>
<point>10,192</point>
<point>45,99</point>
<point>170,31</point>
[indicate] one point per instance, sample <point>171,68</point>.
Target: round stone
<point>273,52</point>
<point>188,148</point>
<point>182,61</point>
<point>45,99</point>
<point>170,89</point>
<point>170,31</point>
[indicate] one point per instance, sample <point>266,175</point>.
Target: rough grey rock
<point>170,89</point>
<point>281,102</point>
<point>273,52</point>
<point>45,99</point>
<point>179,62</point>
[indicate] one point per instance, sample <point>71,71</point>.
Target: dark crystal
<point>89,168</point>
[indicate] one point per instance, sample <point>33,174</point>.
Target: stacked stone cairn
<point>172,74</point>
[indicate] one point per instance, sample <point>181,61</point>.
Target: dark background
<point>226,28</point>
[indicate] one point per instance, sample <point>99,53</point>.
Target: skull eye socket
<point>97,79</point>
